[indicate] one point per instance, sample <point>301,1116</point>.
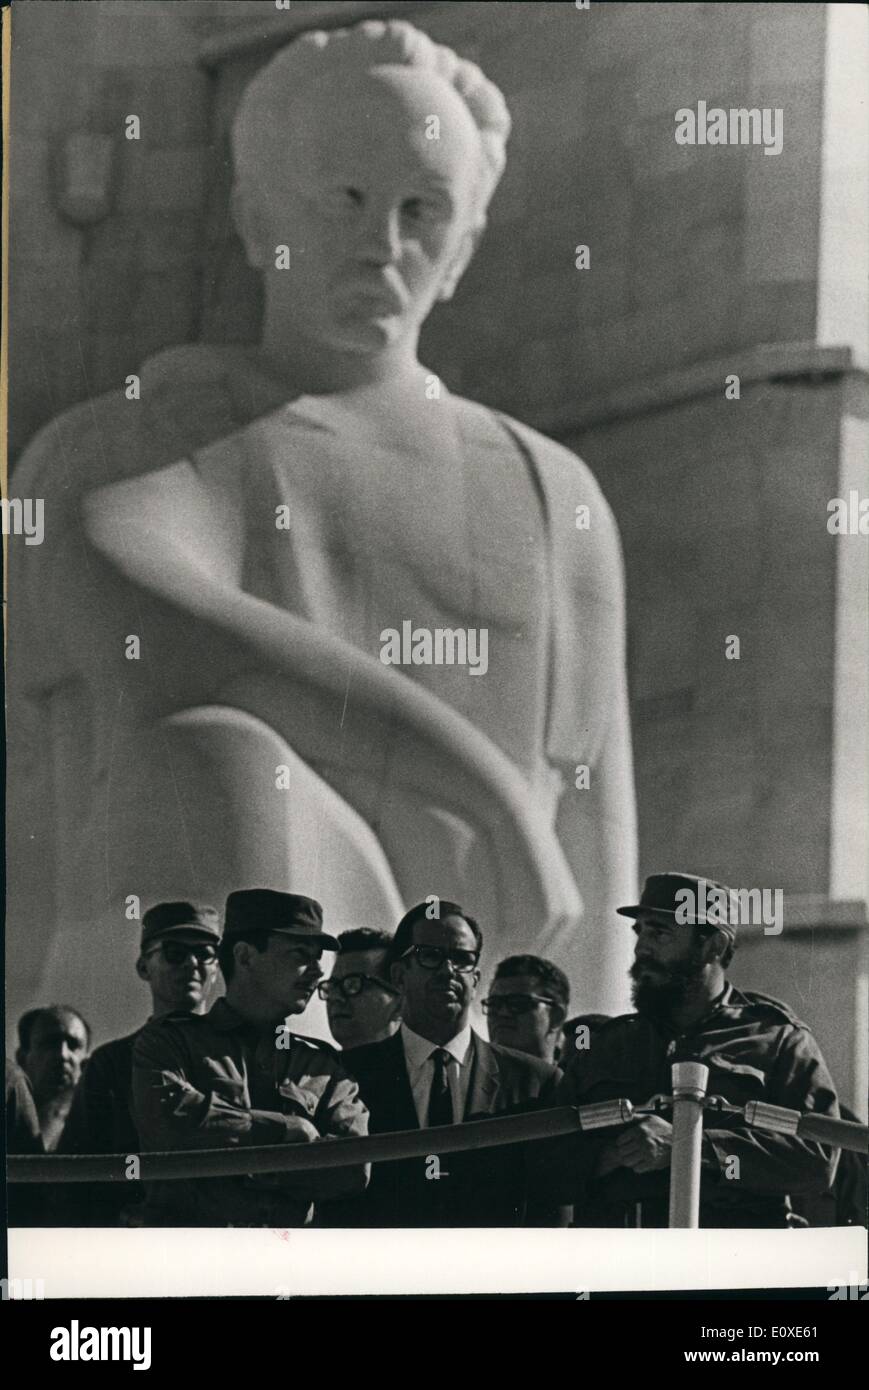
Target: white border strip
<point>281,1264</point>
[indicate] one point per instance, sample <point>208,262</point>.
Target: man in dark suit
<point>436,1070</point>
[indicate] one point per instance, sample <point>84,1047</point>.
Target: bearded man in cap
<point>755,1049</point>
<point>236,1077</point>
<point>178,962</point>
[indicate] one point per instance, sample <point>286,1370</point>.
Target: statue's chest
<point>447,518</point>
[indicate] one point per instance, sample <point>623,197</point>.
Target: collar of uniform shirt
<point>418,1050</point>
<point>225,1019</point>
<point>223,1016</point>
<point>726,999</point>
<point>721,1001</point>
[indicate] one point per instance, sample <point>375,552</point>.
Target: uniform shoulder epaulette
<point>767,1001</point>
<point>614,1021</point>
<point>318,1043</point>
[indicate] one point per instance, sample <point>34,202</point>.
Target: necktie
<point>440,1104</point>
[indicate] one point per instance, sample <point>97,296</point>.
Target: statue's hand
<point>533,863</point>
<point>148,529</point>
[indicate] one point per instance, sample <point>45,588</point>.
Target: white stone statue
<point>198,696</point>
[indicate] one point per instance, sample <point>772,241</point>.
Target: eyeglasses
<point>433,957</point>
<point>513,1004</point>
<point>350,985</point>
<point>176,953</point>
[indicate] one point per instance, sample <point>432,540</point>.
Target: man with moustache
<point>178,962</point>
<point>237,1077</point>
<point>363,1007</point>
<point>755,1049</point>
<point>53,1045</point>
<point>436,1070</point>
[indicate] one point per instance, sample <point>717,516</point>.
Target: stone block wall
<point>722,510</point>
<point>87,303</point>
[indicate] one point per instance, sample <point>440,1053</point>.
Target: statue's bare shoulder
<point>140,485</point>
<point>580,520</point>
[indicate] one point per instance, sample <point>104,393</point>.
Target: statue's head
<point>372,154</point>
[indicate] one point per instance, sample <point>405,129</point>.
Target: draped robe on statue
<point>192,768</point>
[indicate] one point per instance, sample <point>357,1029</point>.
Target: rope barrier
<point>307,1158</point>
<point>385,1148</point>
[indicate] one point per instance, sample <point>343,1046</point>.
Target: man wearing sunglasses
<point>178,962</point>
<point>527,1005</point>
<point>436,1070</point>
<point>237,1077</point>
<point>363,1007</point>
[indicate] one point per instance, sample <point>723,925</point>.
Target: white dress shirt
<point>419,1060</point>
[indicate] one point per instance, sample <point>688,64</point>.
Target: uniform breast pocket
<point>297,1100</point>
<point>737,1082</point>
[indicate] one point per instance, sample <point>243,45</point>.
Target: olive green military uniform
<point>755,1049</point>
<point>213,1081</point>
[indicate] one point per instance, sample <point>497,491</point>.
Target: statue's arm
<point>167,532</point>
<point>596,821</point>
<point>596,824</point>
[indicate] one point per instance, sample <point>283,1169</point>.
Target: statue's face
<point>378,217</point>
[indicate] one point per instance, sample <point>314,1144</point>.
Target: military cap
<point>264,909</point>
<point>689,900</point>
<point>180,920</point>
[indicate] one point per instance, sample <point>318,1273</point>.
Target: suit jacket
<point>487,1187</point>
<point>28,1204</point>
<point>100,1121</point>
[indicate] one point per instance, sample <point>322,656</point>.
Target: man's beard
<point>660,997</point>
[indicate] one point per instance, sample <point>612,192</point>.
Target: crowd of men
<point>407,1057</point>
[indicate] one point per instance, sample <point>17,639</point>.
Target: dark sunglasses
<point>177,952</point>
<point>351,985</point>
<point>433,957</point>
<point>513,1004</point>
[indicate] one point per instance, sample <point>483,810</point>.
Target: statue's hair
<point>320,55</point>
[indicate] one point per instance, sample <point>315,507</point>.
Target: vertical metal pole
<point>689,1080</point>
